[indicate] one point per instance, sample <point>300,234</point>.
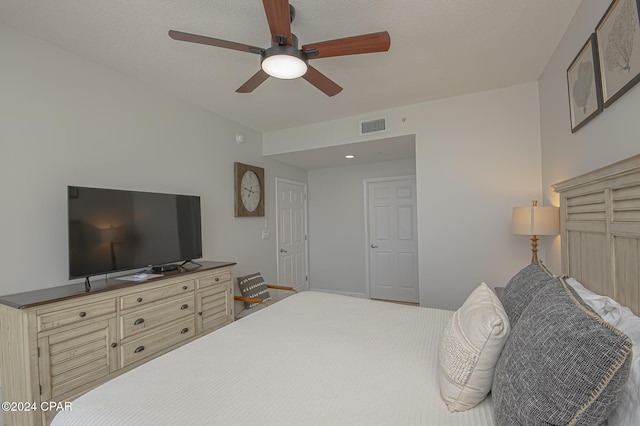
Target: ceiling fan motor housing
<point>292,13</point>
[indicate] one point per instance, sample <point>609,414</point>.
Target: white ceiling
<point>439,48</point>
<point>385,149</point>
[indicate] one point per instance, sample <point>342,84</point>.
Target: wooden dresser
<point>58,343</point>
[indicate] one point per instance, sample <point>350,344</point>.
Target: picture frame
<point>584,85</point>
<point>249,189</point>
<point>618,40</point>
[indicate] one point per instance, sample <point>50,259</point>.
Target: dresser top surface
<point>71,291</point>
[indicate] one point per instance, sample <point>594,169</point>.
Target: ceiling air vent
<point>378,125</point>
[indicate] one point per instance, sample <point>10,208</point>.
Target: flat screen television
<point>116,230</point>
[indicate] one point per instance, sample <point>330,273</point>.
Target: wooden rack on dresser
<point>58,343</point>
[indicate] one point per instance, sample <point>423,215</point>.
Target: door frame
<point>279,181</point>
<point>367,257</point>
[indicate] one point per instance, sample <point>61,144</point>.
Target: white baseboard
<point>344,293</point>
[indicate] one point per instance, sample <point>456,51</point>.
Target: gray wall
<point>477,156</point>
<point>336,223</point>
<point>609,137</point>
<point>66,121</point>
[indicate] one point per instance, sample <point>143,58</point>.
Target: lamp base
<point>534,249</point>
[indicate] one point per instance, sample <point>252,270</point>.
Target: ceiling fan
<point>283,59</point>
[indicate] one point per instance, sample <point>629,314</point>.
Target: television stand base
<point>190,261</point>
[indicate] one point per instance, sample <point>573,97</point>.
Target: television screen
<point>115,230</point>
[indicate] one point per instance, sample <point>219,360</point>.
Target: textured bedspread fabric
<point>311,359</point>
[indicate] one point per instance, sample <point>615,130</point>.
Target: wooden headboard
<point>600,230</point>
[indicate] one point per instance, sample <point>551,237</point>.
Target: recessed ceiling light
<point>349,156</point>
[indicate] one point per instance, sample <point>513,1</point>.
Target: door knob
<point>374,246</point>
<point>283,251</point>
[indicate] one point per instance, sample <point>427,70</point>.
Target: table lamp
<point>534,221</point>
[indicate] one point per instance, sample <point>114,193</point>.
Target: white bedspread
<point>311,359</point>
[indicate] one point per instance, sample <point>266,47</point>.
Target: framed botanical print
<point>583,80</point>
<point>618,34</point>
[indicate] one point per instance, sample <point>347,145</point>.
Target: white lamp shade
<point>535,221</point>
<point>284,66</point>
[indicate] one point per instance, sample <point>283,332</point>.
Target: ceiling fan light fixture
<point>284,66</point>
<point>285,62</point>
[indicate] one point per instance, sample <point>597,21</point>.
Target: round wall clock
<point>249,190</point>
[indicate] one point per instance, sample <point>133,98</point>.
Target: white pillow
<point>469,350</point>
<point>606,307</point>
<point>627,412</point>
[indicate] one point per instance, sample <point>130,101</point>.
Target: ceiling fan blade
<point>366,43</point>
<point>322,82</point>
<point>279,18</point>
<point>256,80</point>
<point>194,38</point>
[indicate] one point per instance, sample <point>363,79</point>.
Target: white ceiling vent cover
<point>379,125</point>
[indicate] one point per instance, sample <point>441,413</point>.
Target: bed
<point>312,358</point>
<point>318,358</point>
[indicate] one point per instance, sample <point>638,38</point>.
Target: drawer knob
<point>184,330</point>
<point>183,307</point>
<point>200,313</point>
<point>139,299</point>
<point>138,321</point>
<point>138,349</point>
<point>113,345</point>
<point>217,279</point>
<point>82,314</point>
<point>184,287</point>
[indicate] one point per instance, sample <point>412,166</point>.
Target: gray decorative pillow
<point>253,286</point>
<point>561,365</point>
<point>522,288</point>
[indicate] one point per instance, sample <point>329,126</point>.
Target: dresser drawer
<point>75,314</point>
<point>156,342</point>
<point>148,296</point>
<point>144,319</point>
<point>215,279</point>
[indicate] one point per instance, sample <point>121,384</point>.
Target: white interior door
<point>392,239</point>
<point>292,233</point>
